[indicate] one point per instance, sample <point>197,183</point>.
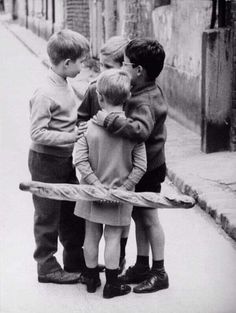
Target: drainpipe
<point>14,10</point>
<point>213,14</point>
<point>26,13</point>
<point>53,15</point>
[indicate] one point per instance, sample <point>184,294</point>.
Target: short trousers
<point>151,181</point>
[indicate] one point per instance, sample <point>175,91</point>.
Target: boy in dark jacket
<point>145,112</point>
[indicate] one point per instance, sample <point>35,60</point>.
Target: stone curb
<point>225,217</point>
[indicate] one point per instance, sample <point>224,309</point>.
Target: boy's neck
<point>111,108</point>
<point>58,71</point>
<point>140,84</point>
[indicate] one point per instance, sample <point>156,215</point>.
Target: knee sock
<point>142,262</point>
<point>158,267</point>
<point>111,276</point>
<point>92,272</point>
<point>123,242</point>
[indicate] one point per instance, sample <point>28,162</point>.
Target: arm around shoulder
<point>89,104</point>
<point>138,126</point>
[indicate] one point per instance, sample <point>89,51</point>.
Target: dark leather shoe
<point>59,277</point>
<point>121,266</point>
<point>91,283</point>
<point>134,275</point>
<point>154,283</point>
<point>111,291</point>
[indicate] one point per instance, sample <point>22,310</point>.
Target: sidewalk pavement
<point>209,178</point>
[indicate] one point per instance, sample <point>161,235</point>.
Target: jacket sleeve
<point>40,117</point>
<point>81,161</point>
<point>89,104</point>
<point>137,127</point>
<point>84,108</point>
<point>139,166</point>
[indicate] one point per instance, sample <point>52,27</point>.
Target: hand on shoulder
<point>100,117</point>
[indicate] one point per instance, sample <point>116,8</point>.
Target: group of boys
<point>58,121</point>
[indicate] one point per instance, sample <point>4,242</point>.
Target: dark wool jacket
<point>89,106</point>
<point>146,112</point>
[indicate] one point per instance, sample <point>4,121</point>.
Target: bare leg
<point>154,233</point>
<point>125,232</point>
<point>123,242</point>
<point>113,288</point>
<point>158,278</point>
<point>93,235</point>
<point>142,239</point>
<point>112,235</point>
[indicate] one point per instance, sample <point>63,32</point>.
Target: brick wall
<point>77,16</point>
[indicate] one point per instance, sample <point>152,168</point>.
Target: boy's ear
<point>67,62</point>
<point>139,70</point>
<point>100,97</point>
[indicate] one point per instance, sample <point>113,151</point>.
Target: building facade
<point>199,37</point>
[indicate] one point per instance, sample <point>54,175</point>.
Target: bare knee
<point>92,238</point>
<point>148,218</point>
<point>112,233</point>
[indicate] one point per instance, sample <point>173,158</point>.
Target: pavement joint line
<point>229,226</point>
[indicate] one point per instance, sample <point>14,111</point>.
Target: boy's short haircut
<point>148,53</point>
<point>115,47</point>
<point>114,85</point>
<point>66,44</point>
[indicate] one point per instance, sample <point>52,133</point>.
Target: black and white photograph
<point>118,156</point>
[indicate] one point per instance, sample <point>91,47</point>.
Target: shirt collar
<point>57,79</point>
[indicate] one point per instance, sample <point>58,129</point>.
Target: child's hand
<point>102,188</point>
<point>81,130</point>
<point>99,118</point>
<point>108,201</point>
<point>122,188</point>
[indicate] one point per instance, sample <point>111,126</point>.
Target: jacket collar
<point>145,87</point>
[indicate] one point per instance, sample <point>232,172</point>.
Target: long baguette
<point>71,192</point>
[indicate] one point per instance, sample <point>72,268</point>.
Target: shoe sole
<point>132,282</point>
<point>46,280</point>
<point>150,291</point>
<point>113,296</point>
<point>117,295</point>
<point>82,280</point>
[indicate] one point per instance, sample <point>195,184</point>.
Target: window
<point>159,3</point>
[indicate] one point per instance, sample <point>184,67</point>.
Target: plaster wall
<point>179,27</point>
<point>120,13</point>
